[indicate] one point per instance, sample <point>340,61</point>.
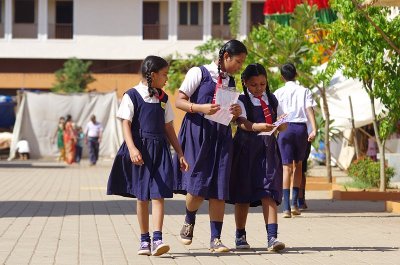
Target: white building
<point>37,36</point>
<point>114,30</point>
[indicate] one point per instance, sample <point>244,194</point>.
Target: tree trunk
<point>381,147</point>
<point>382,186</point>
<point>327,137</point>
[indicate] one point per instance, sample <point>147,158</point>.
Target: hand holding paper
<point>225,98</point>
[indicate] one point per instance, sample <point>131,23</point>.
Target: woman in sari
<point>69,141</point>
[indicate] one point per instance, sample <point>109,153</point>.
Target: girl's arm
<point>182,102</point>
<point>246,125</point>
<point>134,153</point>
<point>171,135</point>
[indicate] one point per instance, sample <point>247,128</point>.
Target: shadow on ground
<point>317,208</point>
<point>26,164</point>
<point>295,250</point>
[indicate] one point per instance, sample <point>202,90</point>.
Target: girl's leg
<point>192,205</point>
<point>216,213</point>
<point>241,212</point>
<point>143,219</point>
<point>158,214</point>
<point>287,175</point>
<point>159,247</point>
<point>143,216</point>
<point>270,213</point>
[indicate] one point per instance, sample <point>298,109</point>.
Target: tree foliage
<point>365,54</point>
<point>178,66</point>
<point>73,77</point>
<point>234,18</point>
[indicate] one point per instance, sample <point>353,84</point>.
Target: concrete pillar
<point>43,19</point>
<point>207,19</point>
<point>243,21</point>
<point>8,19</point>
<point>172,20</point>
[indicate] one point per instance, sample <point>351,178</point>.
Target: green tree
<point>73,77</point>
<point>234,18</point>
<point>365,53</point>
<point>205,53</point>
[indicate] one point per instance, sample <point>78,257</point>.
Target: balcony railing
<point>221,32</point>
<point>60,31</point>
<point>155,32</point>
<point>190,32</point>
<point>25,31</point>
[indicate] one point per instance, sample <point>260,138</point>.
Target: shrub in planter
<point>366,171</point>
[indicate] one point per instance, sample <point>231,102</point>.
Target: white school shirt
<point>254,100</point>
<point>126,108</point>
<point>296,99</point>
<point>93,130</point>
<point>193,78</point>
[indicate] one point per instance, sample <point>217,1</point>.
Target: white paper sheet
<point>225,97</point>
<point>285,119</point>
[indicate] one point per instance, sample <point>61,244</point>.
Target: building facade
<point>37,36</point>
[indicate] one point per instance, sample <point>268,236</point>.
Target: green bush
<point>366,171</point>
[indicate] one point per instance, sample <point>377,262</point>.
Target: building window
<point>220,13</point>
<point>188,13</point>
<point>64,12</point>
<point>1,11</point>
<point>24,11</point>
<point>257,14</point>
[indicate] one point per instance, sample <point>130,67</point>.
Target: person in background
<point>69,140</point>
<point>80,136</point>
<point>59,133</point>
<point>23,149</point>
<point>296,100</point>
<point>94,133</point>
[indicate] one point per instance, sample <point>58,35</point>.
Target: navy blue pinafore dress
<point>257,167</point>
<point>154,179</point>
<point>207,146</point>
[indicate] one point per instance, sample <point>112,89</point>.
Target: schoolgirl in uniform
<point>257,168</point>
<point>207,145</point>
<point>143,165</point>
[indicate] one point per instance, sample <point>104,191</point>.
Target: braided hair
<point>251,70</point>
<point>152,64</point>
<point>232,47</point>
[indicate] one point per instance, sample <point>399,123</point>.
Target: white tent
<point>38,116</point>
<point>338,93</point>
<point>341,88</point>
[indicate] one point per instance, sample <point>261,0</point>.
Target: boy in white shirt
<point>296,100</point>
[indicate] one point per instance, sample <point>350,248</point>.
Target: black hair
<point>152,64</point>
<point>256,69</point>
<point>232,47</point>
<point>288,71</point>
<point>68,118</point>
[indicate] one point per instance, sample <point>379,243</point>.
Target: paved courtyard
<point>56,214</point>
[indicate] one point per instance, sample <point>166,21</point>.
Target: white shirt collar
<point>213,68</point>
<point>143,91</point>
<point>255,100</point>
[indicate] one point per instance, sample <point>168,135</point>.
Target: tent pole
<point>354,129</point>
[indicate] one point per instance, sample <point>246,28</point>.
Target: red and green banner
<point>281,10</point>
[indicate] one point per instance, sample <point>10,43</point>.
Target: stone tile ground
<point>56,214</point>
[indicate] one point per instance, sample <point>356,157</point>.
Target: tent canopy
<point>338,94</point>
<point>38,116</point>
